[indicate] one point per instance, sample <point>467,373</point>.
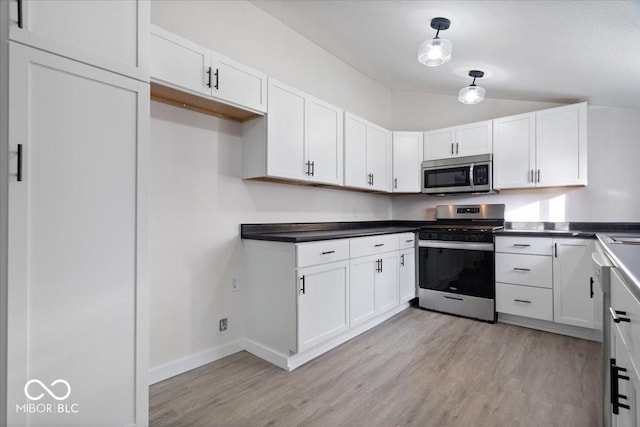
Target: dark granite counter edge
<point>276,237</point>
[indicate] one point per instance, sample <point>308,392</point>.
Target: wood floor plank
<point>417,369</point>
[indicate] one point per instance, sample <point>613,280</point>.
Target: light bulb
<point>471,94</point>
<point>435,52</point>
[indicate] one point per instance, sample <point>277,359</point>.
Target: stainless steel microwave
<point>471,174</point>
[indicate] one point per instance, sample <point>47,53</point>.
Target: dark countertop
<point>311,232</point>
<point>584,230</point>
<point>626,257</point>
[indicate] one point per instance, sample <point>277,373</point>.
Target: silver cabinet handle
<point>452,148</point>
<point>457,147</point>
<point>521,269</point>
<point>521,245</point>
<point>538,176</point>
<point>522,300</point>
<point>328,252</point>
<point>377,245</point>
<point>395,183</point>
<point>531,175</point>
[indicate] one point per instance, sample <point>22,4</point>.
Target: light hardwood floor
<point>417,369</point>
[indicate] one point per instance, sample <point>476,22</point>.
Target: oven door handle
<point>487,247</point>
<point>471,183</point>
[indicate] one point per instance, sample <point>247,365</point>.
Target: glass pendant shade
<point>435,52</point>
<point>471,94</point>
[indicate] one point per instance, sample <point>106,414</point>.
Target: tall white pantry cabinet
<point>74,141</point>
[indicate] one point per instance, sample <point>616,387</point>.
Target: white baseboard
<point>289,363</point>
<point>171,369</point>
<point>556,328</point>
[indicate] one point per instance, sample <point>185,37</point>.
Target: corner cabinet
<point>542,149</point>
<point>113,35</point>
<point>177,63</point>
<point>465,140</point>
<point>77,273</point>
<point>367,154</point>
<point>304,299</point>
<point>300,139</point>
<point>407,160</point>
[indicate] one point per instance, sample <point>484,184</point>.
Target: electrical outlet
<point>235,284</point>
<point>224,324</point>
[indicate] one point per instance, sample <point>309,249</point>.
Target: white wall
<point>245,33</point>
<point>197,197</point>
<point>613,181</point>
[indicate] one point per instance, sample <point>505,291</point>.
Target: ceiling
<point>552,51</point>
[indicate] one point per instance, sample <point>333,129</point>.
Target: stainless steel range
<point>457,262</point>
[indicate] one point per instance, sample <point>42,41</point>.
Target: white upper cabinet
<point>514,151</point>
<point>542,149</point>
<point>367,154</point>
<point>561,146</point>
<point>407,158</point>
<point>303,139</point>
<point>181,64</point>
<point>285,132</point>
<point>113,35</point>
<point>466,140</point>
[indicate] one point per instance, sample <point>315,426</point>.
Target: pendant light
<point>472,94</point>
<point>436,51</point>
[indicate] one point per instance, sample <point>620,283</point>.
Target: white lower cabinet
<point>322,303</point>
<point>547,279</point>
<point>527,301</point>
<point>407,274</point>
<point>304,299</point>
<point>572,285</point>
<point>625,384</point>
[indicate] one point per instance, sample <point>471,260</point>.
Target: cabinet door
<point>407,160</point>
<point>378,157</point>
<point>325,142</point>
<point>627,393</point>
<point>362,300</point>
<point>407,275</point>
<point>386,280</point>
<point>236,83</point>
<point>76,228</point>
<point>474,138</point>
<point>514,151</point>
<point>561,141</point>
<point>355,152</point>
<point>322,303</point>
<point>572,297</point>
<point>285,132</point>
<point>439,144</point>
<point>178,62</point>
<point>108,34</point>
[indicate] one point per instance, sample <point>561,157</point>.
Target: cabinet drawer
<point>519,269</point>
<point>524,245</point>
<point>627,307</point>
<point>407,240</point>
<point>524,301</point>
<point>371,245</point>
<point>321,252</point>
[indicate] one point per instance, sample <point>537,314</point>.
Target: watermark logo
<point>35,390</point>
<point>51,393</point>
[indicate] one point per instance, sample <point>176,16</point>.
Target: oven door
<point>457,267</point>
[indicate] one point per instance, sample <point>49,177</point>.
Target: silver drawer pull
<point>379,244</point>
<point>328,252</point>
<point>520,245</point>
<point>409,241</point>
<point>616,318</point>
<point>454,298</point>
<point>522,300</point>
<point>521,269</point>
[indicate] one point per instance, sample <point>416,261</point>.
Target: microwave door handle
<point>471,176</point>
